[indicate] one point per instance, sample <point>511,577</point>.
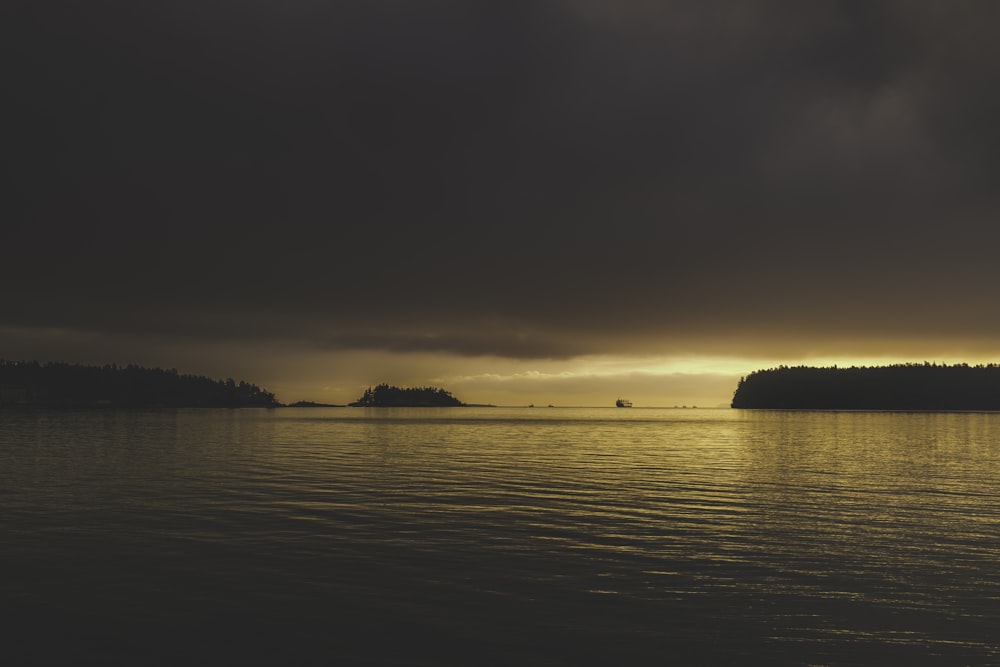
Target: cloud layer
<point>521,180</point>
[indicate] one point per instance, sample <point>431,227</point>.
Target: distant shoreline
<point>30,384</point>
<point>903,387</point>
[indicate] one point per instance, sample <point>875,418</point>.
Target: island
<point>386,396</point>
<point>63,385</point>
<point>903,387</point>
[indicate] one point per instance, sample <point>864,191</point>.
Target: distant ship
<point>623,403</point>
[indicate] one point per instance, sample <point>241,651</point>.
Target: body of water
<point>515,536</point>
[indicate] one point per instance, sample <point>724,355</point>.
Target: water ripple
<point>545,536</point>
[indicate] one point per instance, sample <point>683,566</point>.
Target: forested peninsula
<point>927,386</point>
<point>34,384</point>
<point>386,396</point>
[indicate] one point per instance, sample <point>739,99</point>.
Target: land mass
<point>927,386</point>
<point>34,384</point>
<point>386,396</point>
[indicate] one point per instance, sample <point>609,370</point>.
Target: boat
<point>623,403</point>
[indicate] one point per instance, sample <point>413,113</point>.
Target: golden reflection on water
<point>736,532</point>
<point>893,511</point>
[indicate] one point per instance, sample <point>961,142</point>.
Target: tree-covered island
<point>927,386</point>
<point>60,385</point>
<point>386,396</point>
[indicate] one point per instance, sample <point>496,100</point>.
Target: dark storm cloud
<point>518,178</point>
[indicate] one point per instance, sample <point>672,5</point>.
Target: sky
<point>547,201</point>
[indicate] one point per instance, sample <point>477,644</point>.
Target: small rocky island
<point>927,386</point>
<point>386,396</point>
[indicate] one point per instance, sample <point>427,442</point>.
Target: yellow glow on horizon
<point>654,381</point>
<point>596,380</point>
<point>617,367</point>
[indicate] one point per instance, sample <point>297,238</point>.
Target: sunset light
<point>500,332</point>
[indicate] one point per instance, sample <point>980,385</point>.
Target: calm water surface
<point>499,536</point>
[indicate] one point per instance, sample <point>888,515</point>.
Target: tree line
<point>59,384</point>
<point>926,386</point>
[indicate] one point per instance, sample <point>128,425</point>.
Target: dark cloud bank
<point>525,179</point>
